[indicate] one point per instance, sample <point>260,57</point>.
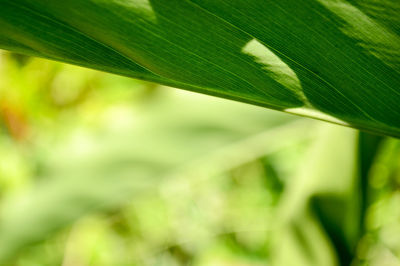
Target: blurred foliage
<point>97,169</point>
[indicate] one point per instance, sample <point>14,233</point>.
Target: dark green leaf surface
<point>334,60</point>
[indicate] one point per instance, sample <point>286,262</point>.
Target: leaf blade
<point>333,60</point>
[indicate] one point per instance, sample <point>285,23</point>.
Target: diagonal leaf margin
<point>334,60</point>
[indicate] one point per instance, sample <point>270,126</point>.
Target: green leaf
<point>335,60</point>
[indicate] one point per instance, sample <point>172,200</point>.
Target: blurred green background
<point>97,169</point>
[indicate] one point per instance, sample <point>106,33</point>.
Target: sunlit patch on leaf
<point>317,114</point>
<point>373,37</point>
<point>141,7</point>
<point>280,71</point>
